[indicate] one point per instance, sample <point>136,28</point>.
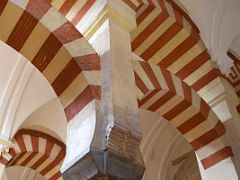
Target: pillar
<point>114,152</point>
<point>223,101</point>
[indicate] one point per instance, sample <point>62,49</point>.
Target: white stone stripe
<point>158,73</point>
<point>57,4</point>
<point>53,19</point>
<point>143,76</point>
<point>184,116</point>
<point>153,99</point>
<point>55,151</point>
<point>170,104</point>
<point>75,9</point>
<point>142,26</point>
<point>198,131</point>
<point>34,160</point>
<point>196,99</point>
<point>23,158</point>
<point>186,58</point>
<point>141,10</point>
<point>154,36</point>
<point>178,85</point>
<point>43,165</point>
<point>21,3</point>
<point>212,118</point>
<point>199,72</point>
<point>42,145</point>
<point>73,90</point>
<point>139,93</point>
<point>27,141</point>
<point>79,47</point>
<point>16,147</point>
<point>211,148</point>
<point>169,46</point>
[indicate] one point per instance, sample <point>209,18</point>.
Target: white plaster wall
<point>80,131</point>
<point>26,98</point>
<point>218,21</point>
<point>50,116</point>
<point>161,144</point>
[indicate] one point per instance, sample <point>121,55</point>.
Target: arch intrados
<point>43,147</point>
<point>54,46</point>
<point>191,127</point>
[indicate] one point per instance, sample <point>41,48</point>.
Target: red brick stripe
<point>145,13</point>
<point>191,123</point>
<point>203,140</point>
<point>161,41</point>
<point>206,79</point>
<point>79,103</point>
<point>46,53</point>
<point>65,78</point>
<point>148,70</point>
<point>29,158</point>
<point>35,143</point>
<point>179,51</point>
<point>56,176</point>
<point>3,5</point>
<point>82,12</point>
<point>67,33</point>
<point>233,57</point>
<point>140,84</point>
<point>217,157</point>
<point>21,31</point>
<point>39,162</point>
<point>89,62</point>
<point>187,91</point>
<point>149,29</point>
<point>37,8</point>
<point>180,107</point>
<point>162,100</point>
<point>48,148</point>
<point>67,5</point>
<point>168,78</point>
<point>56,161</point>
<point>193,65</point>
<point>131,4</point>
<point>149,96</point>
<point>21,143</point>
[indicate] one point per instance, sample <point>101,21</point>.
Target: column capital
<point>117,12</point>
<point>120,160</point>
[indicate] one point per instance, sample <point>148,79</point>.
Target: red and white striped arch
<point>55,47</point>
<point>162,92</point>
<point>38,151</point>
<point>234,75</point>
<point>166,36</point>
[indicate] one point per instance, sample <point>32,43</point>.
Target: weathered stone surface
<point>97,165</point>
<point>121,160</point>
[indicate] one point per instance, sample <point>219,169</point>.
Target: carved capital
<point>120,160</point>
<point>123,143</point>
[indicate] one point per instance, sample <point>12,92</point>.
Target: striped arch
<point>55,47</point>
<point>162,92</point>
<point>38,151</point>
<point>166,36</point>
<point>234,74</point>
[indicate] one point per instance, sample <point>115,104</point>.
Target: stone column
<point>114,152</point>
<point>225,108</point>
